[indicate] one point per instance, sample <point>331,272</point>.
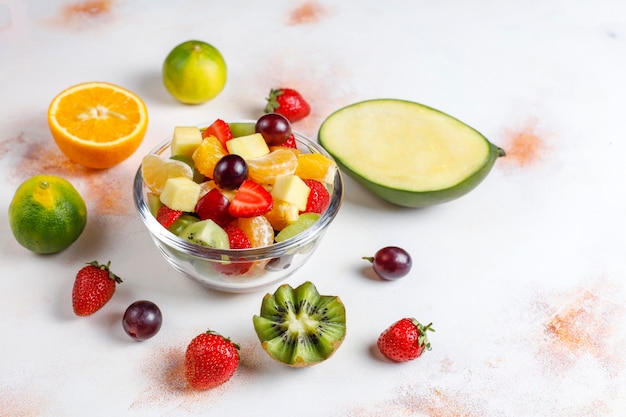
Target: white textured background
<point>523,278</point>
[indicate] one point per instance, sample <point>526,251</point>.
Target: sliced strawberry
<point>290,142</point>
<point>166,216</point>
<point>251,200</point>
<point>319,197</point>
<point>220,130</point>
<point>238,240</point>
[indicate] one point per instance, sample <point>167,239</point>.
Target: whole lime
<point>194,72</point>
<point>47,214</point>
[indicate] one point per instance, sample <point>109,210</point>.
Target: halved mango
<point>407,153</point>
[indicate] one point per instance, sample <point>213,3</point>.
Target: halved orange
<point>97,124</point>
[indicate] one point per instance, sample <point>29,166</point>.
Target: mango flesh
<point>406,153</point>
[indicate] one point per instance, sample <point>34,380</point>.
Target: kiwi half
<point>299,327</point>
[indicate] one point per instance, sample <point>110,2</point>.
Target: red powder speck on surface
<point>523,146</point>
<point>107,192</point>
<point>585,324</point>
<point>309,12</point>
<point>165,377</point>
<point>432,403</point>
<point>20,404</point>
<point>90,8</point>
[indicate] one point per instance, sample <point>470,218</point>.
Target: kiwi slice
<point>206,233</point>
<point>299,327</point>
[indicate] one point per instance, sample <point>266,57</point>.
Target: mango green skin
<point>418,199</point>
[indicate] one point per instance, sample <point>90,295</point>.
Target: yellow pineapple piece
<point>249,146</point>
<point>292,189</point>
<point>180,193</point>
<point>282,214</point>
<point>185,140</point>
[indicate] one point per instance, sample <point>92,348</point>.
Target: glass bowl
<point>213,267</point>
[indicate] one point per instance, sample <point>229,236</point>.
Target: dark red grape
<point>142,320</point>
<point>230,172</point>
<point>274,127</point>
<point>391,262</point>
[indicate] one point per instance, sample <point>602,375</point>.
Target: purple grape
<point>274,127</point>
<point>142,320</point>
<point>230,172</point>
<point>391,262</point>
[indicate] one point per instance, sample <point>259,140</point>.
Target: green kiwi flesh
<point>299,327</point>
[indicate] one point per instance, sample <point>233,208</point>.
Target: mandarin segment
<point>206,156</point>
<point>97,124</point>
<point>156,171</point>
<point>258,229</point>
<point>315,166</point>
<point>265,169</point>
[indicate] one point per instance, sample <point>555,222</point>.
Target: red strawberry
<point>289,103</point>
<point>214,205</point>
<point>93,288</point>
<point>221,130</point>
<point>210,360</point>
<point>166,216</point>
<point>404,340</point>
<point>319,198</point>
<point>251,200</point>
<point>290,142</point>
<point>238,240</point>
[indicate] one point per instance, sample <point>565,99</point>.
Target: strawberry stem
<point>423,338</point>
<point>107,268</point>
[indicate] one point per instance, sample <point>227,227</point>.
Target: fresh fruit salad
<point>238,185</point>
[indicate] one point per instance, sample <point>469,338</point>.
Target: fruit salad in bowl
<point>238,206</point>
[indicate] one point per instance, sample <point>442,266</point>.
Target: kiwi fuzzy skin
<point>299,327</point>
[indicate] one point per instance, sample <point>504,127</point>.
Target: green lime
<point>47,214</point>
<point>194,72</point>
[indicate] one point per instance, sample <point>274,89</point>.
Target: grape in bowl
<point>218,266</point>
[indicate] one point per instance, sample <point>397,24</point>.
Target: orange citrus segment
<point>315,166</point>
<point>207,155</point>
<point>156,171</point>
<point>258,229</point>
<point>97,124</point>
<point>266,168</point>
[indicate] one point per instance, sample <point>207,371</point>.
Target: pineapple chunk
<point>282,214</point>
<point>292,189</point>
<point>249,146</point>
<point>180,193</point>
<point>185,140</point>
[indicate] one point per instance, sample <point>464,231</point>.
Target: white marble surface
<point>523,278</point>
